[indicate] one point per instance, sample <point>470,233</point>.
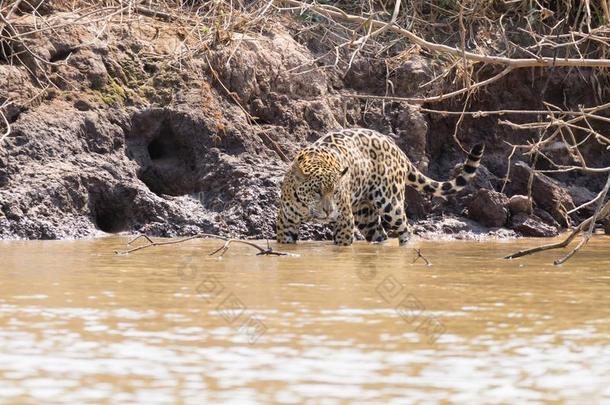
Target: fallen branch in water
<point>602,211</point>
<point>262,251</point>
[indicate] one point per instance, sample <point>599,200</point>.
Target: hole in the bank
<point>111,215</point>
<point>156,149</point>
<point>168,163</point>
<point>61,55</point>
<point>150,68</point>
<point>164,145</point>
<point>109,222</point>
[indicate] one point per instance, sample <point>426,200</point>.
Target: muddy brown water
<point>79,324</point>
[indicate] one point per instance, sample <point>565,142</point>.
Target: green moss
<point>111,94</point>
<point>134,74</point>
<point>147,92</point>
<point>130,84</point>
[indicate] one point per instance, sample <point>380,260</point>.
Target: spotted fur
<point>357,177</point>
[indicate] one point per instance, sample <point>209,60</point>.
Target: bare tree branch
<point>514,63</point>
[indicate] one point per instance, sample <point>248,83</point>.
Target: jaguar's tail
<point>444,188</point>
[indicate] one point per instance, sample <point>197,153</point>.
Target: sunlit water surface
<point>170,324</point>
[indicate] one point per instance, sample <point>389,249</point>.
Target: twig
<point>459,122</point>
<point>599,196</point>
<point>507,175</point>
<point>484,113</point>
<point>154,13</point>
<point>421,256</point>
<point>13,9</point>
<point>8,127</point>
<point>362,40</point>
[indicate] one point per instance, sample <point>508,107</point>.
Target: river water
<point>79,324</point>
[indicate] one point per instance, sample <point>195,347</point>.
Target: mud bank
<point>125,140</point>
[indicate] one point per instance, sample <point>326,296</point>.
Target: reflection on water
<point>172,325</point>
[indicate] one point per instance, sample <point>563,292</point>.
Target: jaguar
<point>356,179</point>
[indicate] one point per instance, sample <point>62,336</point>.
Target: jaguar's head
<point>317,183</point>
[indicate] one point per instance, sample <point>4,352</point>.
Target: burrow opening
<point>164,146</point>
<point>60,55</point>
<point>112,212</point>
<point>156,150</point>
<point>108,221</point>
<point>167,157</point>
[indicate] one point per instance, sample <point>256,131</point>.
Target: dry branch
<point>515,63</point>
<point>436,99</point>
<point>602,211</point>
<point>7,124</point>
<point>374,26</point>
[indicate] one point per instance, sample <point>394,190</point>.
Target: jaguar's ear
<point>297,171</point>
<point>343,172</point>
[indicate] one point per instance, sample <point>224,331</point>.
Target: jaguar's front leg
<point>344,226</point>
<point>287,227</point>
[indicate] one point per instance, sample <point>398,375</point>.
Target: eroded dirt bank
<point>123,138</point>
